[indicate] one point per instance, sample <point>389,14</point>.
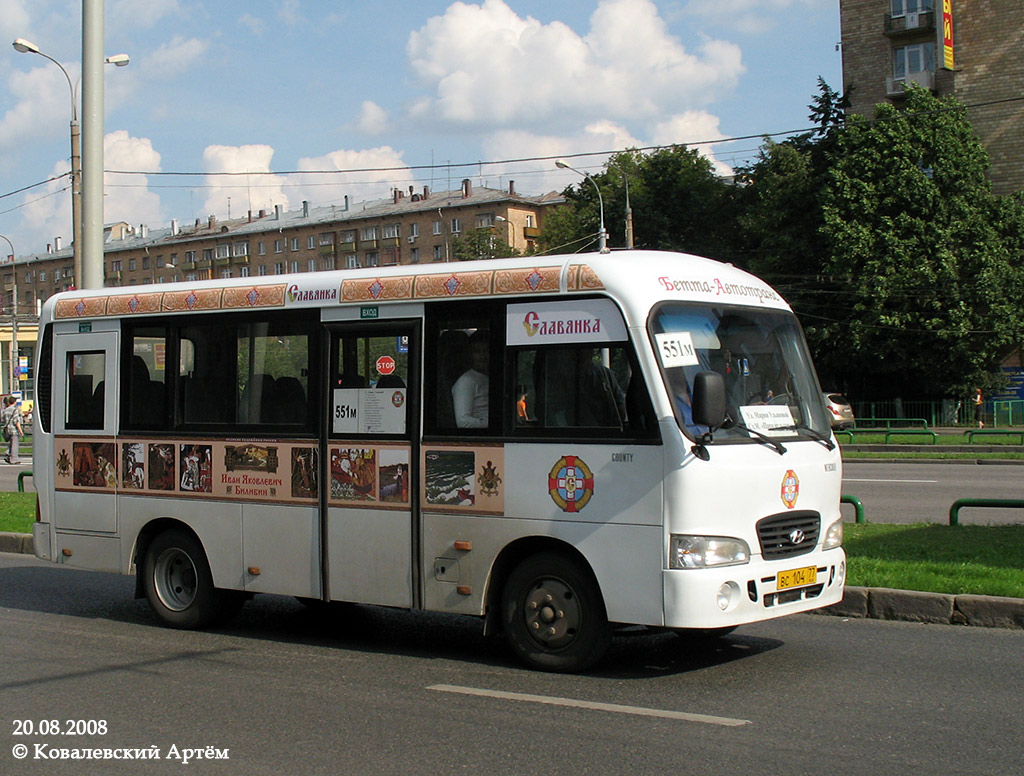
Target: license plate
<point>796,577</point>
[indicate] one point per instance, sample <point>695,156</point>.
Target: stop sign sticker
<point>385,365</point>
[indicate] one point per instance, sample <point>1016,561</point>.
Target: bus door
<point>369,525</point>
<point>85,459</point>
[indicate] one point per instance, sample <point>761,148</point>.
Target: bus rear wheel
<point>179,585</point>
<point>553,614</point>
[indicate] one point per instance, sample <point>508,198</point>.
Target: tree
<point>481,243</point>
<point>931,276</point>
<point>678,201</point>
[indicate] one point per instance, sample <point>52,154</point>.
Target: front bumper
<point>694,598</point>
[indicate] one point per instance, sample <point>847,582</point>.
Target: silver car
<point>839,410</point>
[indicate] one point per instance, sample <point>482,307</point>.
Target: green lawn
<point>17,512</point>
<point>937,558</point>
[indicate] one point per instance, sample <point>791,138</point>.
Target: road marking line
<point>614,707</point>
<point>854,479</point>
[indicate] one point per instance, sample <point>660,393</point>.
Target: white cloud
<point>132,13</point>
<point>488,66</point>
<point>42,106</point>
<point>255,24</point>
<point>751,17</point>
<point>247,192</point>
<point>693,127</point>
<point>127,196</point>
<point>373,119</point>
<point>289,13</point>
<point>366,174</point>
<point>175,57</point>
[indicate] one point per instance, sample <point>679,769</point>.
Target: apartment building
<point>409,227</point>
<point>970,49</point>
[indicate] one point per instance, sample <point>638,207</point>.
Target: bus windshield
<point>771,387</point>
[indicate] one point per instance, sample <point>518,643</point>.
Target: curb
<point>880,603</point>
<point>17,542</point>
<point>876,603</point>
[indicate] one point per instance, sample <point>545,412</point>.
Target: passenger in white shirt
<point>470,393</point>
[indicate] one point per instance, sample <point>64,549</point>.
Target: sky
<point>313,100</point>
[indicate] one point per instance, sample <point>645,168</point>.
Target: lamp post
<point>15,361</point>
<point>119,60</point>
<point>602,233</point>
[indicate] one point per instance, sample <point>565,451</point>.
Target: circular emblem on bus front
<point>790,489</point>
<point>571,484</point>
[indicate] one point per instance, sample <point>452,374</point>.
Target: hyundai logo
<point>796,536</point>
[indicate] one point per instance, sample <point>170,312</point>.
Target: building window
<point>191,277</point>
<point>261,270</point>
<point>368,233</point>
<point>278,246</point>
<point>311,242</point>
<point>392,231</point>
<point>226,272</point>
<point>295,267</point>
<point>42,275</point>
<point>311,265</point>
<point>261,249</point>
<point>327,238</point>
<point>456,225</point>
<point>352,262</point>
<point>414,256</point>
<point>348,236</point>
<point>372,259</point>
<point>295,243</point>
<point>145,261</point>
<point>279,268</point>
<point>241,249</point>
<point>207,254</point>
<point>115,265</point>
<point>529,221</point>
<point>903,7</point>
<point>223,251</point>
<point>483,220</point>
<point>908,60</point>
<point>190,255</point>
<point>438,252</point>
<point>131,265</point>
<point>414,230</point>
<point>243,271</point>
<point>437,227</point>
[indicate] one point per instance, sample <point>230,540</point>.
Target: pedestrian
<point>10,418</point>
<point>979,408</point>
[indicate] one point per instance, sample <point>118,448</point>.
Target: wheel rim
<point>552,613</point>
<point>176,579</point>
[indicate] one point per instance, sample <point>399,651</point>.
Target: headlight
<point>833,536</point>
<point>696,552</point>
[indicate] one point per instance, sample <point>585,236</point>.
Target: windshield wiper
<point>767,440</point>
<point>809,432</point>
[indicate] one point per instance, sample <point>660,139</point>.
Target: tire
<point>178,583</point>
<point>553,614</point>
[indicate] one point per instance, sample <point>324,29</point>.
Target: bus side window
<point>85,390</point>
<point>463,365</point>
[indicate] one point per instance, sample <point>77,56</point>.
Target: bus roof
<point>636,279</point>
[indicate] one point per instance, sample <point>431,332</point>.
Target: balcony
<point>894,87</point>
<point>909,24</point>
<point>348,247</point>
<point>531,232</point>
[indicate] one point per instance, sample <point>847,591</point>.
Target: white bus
<point>558,445</point>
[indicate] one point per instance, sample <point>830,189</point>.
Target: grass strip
<point>937,558</point>
<point>17,512</point>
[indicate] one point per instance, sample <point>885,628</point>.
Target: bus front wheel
<point>553,614</point>
<point>178,583</point>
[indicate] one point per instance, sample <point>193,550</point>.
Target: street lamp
<point>15,361</point>
<point>602,233</point>
<point>119,60</point>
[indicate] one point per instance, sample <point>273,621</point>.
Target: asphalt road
<point>924,492</point>
<point>286,690</point>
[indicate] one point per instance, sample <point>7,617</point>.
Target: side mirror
<point>709,399</point>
